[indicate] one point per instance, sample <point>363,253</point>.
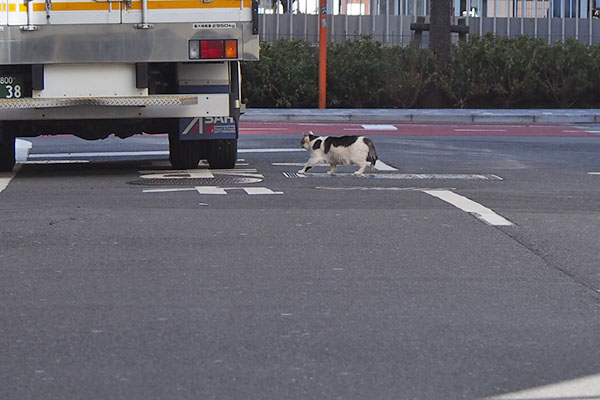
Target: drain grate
<point>215,181</point>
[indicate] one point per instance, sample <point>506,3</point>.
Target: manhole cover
<point>215,181</point>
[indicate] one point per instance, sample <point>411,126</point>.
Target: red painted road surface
<point>413,129</point>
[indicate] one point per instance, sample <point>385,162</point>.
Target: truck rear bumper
<point>154,106</point>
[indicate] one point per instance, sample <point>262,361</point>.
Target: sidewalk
<point>542,116</point>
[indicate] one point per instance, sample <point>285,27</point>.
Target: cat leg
<point>309,164</point>
<point>362,168</point>
<point>372,167</point>
<point>332,169</point>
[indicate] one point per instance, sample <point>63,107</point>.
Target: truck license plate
<point>11,86</point>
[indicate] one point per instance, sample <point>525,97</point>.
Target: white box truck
<point>94,68</point>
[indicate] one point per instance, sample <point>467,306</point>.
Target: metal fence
<point>388,21</point>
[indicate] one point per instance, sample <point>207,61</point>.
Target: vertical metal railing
<point>388,21</point>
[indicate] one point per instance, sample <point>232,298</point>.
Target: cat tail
<point>372,155</point>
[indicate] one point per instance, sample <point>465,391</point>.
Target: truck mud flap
<point>208,128</point>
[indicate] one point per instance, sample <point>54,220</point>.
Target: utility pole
<point>322,53</point>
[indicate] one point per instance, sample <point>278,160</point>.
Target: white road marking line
<point>315,124</point>
<point>469,206</point>
<point>366,188</point>
<point>379,127</point>
<point>274,150</point>
<point>440,176</point>
<point>166,190</point>
<point>373,127</point>
<point>295,164</point>
<point>477,130</point>
<point>593,173</point>
<point>6,177</point>
<point>587,387</point>
<point>379,165</point>
<point>490,177</point>
<point>260,190</point>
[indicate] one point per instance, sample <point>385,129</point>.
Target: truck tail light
<point>231,48</point>
<point>213,49</point>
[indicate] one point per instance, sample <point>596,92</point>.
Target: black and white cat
<point>344,150</point>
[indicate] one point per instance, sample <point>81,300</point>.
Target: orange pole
<point>322,53</point>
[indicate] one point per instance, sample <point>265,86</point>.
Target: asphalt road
<point>467,267</point>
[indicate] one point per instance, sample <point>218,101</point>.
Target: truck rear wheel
<point>184,154</point>
<point>7,151</point>
<point>222,154</point>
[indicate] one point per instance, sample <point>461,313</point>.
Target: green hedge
<point>485,72</point>
<point>285,76</point>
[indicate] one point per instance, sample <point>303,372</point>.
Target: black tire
<point>184,154</point>
<point>222,154</point>
<point>7,150</point>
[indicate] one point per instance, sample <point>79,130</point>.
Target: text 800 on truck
<point>93,68</point>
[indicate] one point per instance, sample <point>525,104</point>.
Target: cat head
<point>307,138</point>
